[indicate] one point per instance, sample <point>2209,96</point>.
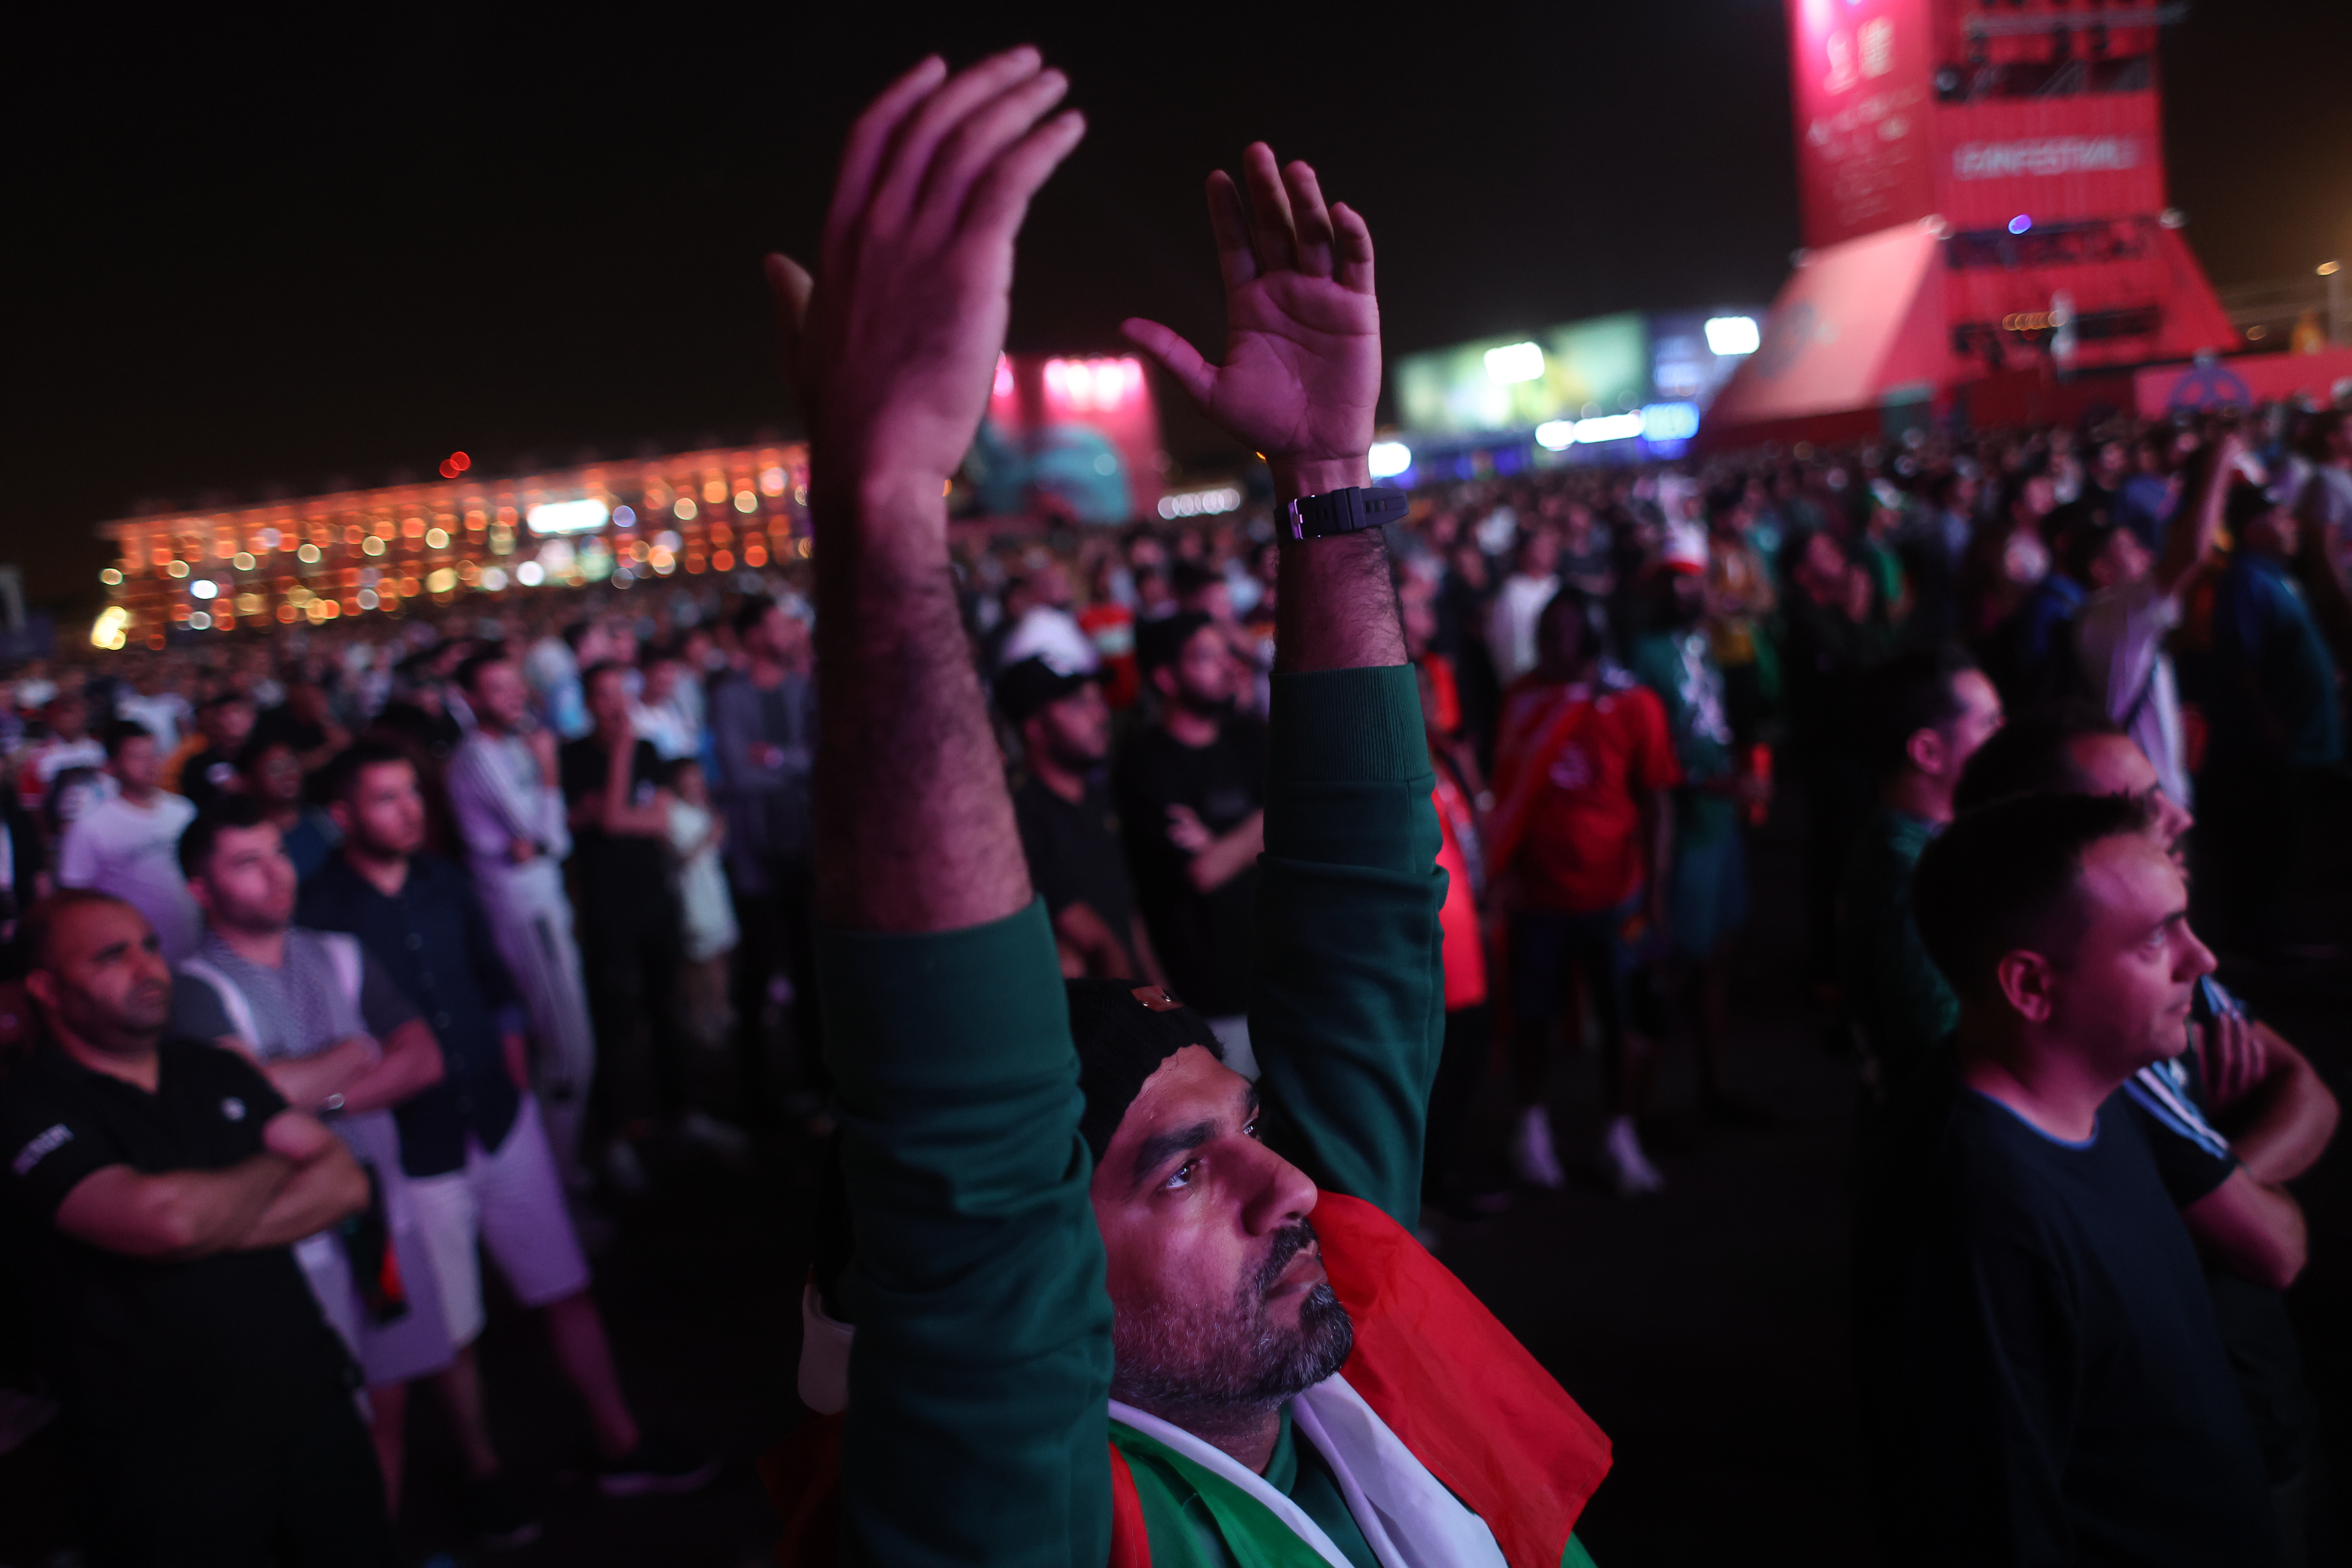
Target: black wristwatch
<point>1351,510</point>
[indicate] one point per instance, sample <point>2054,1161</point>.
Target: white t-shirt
<point>1511,624</point>
<point>2119,636</point>
<point>133,852</point>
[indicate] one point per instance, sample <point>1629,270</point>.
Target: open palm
<point>895,341</point>
<point>1302,364</point>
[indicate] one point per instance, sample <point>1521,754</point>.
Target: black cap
<point>1025,688</point>
<point>1162,641</point>
<point>1124,1030</point>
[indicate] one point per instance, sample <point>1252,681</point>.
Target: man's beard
<point>1226,1366</point>
<point>1071,759</point>
<point>379,849</point>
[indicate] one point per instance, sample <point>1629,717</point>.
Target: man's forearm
<point>1147,958</point>
<point>615,814</point>
<point>307,1081</point>
<point>1086,933</point>
<point>2252,1229</point>
<point>914,828</point>
<point>318,1195</point>
<point>2294,1115</point>
<point>410,1065</point>
<point>173,1214</point>
<point>223,1205</point>
<point>2185,547</point>
<point>1230,856</point>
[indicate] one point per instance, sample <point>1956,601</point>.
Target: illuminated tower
<point>1982,189</point>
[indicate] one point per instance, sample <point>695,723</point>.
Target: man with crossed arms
<point>1102,1296</point>
<point>151,1189</point>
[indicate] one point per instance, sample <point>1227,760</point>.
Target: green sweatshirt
<point>1893,990</point>
<point>977,1429</point>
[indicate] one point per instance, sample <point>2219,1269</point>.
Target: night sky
<point>256,258</point>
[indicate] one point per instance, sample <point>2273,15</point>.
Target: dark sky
<point>257,253</point>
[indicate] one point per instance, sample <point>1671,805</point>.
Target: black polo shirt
<point>1074,853</point>
<point>216,1347</point>
<point>1205,940</point>
<point>626,869</point>
<point>433,941</point>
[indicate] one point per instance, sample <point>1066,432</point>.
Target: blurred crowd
<point>563,837</point>
<point>1625,667</point>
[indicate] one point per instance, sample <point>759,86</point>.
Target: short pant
<point>510,1200</point>
<point>1709,891</point>
<point>416,1343</point>
<point>1547,945</point>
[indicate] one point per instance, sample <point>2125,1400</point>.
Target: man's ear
<point>339,814</point>
<point>2027,981</point>
<point>1163,680</point>
<point>201,892</point>
<point>1926,751</point>
<point>42,987</point>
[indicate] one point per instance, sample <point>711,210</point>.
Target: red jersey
<point>1572,767</point>
<point>1465,954</point>
<point>1112,628</point>
<point>1445,693</point>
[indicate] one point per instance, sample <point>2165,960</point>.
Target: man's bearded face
<point>1235,1354</point>
<point>1221,1307</point>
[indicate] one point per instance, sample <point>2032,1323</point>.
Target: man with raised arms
<point>1104,1288</point>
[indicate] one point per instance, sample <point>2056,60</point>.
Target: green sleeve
<point>1899,997</point>
<point>976,1429</point>
<point>1348,1003</point>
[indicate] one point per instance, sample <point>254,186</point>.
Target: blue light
<point>2020,223</point>
<point>1669,421</point>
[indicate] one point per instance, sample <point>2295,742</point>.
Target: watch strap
<point>1350,511</point>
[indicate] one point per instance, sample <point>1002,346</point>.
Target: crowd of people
<point>346,954</point>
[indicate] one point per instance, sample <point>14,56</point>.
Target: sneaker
<point>1533,1160</point>
<point>1623,1163</point>
<point>498,1516</point>
<point>657,1464</point>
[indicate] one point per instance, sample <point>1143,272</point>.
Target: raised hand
<point>893,344</point>
<point>1302,364</point>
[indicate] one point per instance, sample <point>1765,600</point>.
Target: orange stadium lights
<point>370,553</point>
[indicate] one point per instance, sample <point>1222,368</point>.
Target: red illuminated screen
<point>1861,74</point>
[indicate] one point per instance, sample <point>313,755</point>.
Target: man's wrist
<point>879,496</point>
<point>1294,477</point>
